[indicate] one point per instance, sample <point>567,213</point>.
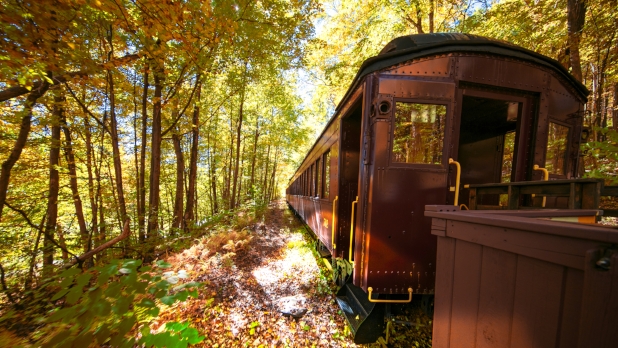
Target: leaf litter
<point>264,287</point>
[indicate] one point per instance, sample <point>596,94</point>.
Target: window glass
<point>326,181</point>
<point>318,178</point>
<point>312,181</point>
<point>305,183</point>
<point>557,140</point>
<point>419,133</point>
<point>507,156</point>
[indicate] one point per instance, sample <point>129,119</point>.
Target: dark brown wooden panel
<point>466,283</point>
<point>496,298</point>
<point>444,293</point>
<point>536,308</point>
<point>599,304</point>
<point>560,250</point>
<point>571,308</point>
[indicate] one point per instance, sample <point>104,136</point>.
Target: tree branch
<point>25,216</point>
<point>126,232</point>
<point>197,82</point>
<point>4,287</point>
<point>17,91</point>
<point>85,108</point>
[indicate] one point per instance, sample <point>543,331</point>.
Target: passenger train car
<point>426,110</point>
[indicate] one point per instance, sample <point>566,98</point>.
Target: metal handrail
<point>332,239</point>
<point>352,231</point>
<point>457,179</point>
<point>545,178</point>
<point>370,290</point>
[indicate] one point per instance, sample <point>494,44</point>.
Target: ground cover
<point>254,278</point>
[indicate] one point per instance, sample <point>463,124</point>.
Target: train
<point>422,123</point>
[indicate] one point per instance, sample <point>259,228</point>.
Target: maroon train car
<point>424,102</point>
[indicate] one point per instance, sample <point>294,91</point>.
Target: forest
<point>128,128</point>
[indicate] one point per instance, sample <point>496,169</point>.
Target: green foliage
<point>175,335</point>
<point>602,156</point>
<point>106,304</point>
<point>341,269</point>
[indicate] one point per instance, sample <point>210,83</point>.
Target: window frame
<point>569,140</point>
<point>447,123</point>
<point>325,187</point>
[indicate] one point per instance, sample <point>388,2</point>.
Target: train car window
<point>318,178</point>
<point>303,184</point>
<point>418,133</point>
<point>507,156</point>
<point>326,176</point>
<point>312,180</point>
<point>557,141</point>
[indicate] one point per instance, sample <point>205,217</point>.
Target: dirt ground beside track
<point>251,276</point>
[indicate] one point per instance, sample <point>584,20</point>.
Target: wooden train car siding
<point>512,281</point>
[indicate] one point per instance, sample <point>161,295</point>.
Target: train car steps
<point>366,319</point>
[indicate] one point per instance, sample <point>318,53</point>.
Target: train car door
<point>349,159</point>
<point>408,171</point>
<point>492,140</point>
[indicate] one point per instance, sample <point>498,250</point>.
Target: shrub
<point>105,305</point>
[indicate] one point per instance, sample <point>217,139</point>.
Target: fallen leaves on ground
<point>263,287</point>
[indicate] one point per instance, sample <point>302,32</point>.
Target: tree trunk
<point>238,138</point>
<point>155,159</point>
<point>20,142</point>
<point>213,170</point>
<point>117,160</point>
<point>116,149</point>
<point>241,170</point>
<point>576,16</point>
<point>265,178</point>
<point>141,186</point>
<point>99,193</point>
<point>180,172</point>
<point>419,20</point>
<point>189,217</point>
<point>431,15</point>
<point>62,243</point>
<point>35,252</point>
<point>54,186</point>
<point>77,201</point>
<point>272,177</point>
<point>253,157</point>
<point>615,106</point>
<point>91,188</point>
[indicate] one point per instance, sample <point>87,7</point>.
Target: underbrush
<point>116,302</point>
<point>114,305</point>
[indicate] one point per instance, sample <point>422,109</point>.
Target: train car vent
<point>384,107</point>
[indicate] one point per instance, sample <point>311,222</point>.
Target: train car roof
<point>408,47</point>
<point>405,48</point>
